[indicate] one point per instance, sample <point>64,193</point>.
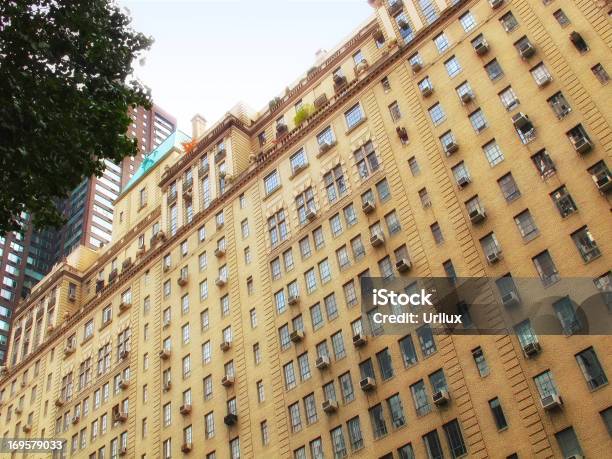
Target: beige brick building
<point>445,138</point>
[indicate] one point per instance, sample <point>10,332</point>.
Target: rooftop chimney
<point>198,127</point>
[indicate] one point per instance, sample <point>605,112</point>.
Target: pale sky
<point>210,54</point>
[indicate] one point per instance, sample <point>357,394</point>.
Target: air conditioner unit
<point>477,215</point>
<point>72,296</point>
<point>367,383</point>
<point>377,240</point>
<point>124,354</point>
<point>451,147</point>
<point>167,386</point>
<point>293,300</point>
<point>403,265</point>
<point>230,419</point>
<point>496,3</point>
<point>123,451</point>
<point>60,401</point>
<point>368,206</point>
<point>359,340</point>
<point>120,416</point>
<point>311,214</point>
<point>544,81</point>
<point>463,181</point>
<point>481,47</point>
<point>225,345</point>
<point>220,281</point>
<point>427,91</point>
<point>164,354</point>
<point>182,280</point>
<point>417,66</point>
<point>526,50</point>
<point>575,456</point>
<point>322,362</point>
<point>467,96</point>
<point>186,447</point>
<point>76,419</point>
<point>124,305</point>
<point>185,409</point>
<point>329,406</point>
<point>166,323</point>
<point>219,225</point>
<point>219,252</point>
<point>69,349</point>
<point>520,120</point>
<point>550,402</point>
<point>124,383</point>
<point>494,257</point>
<point>18,410</point>
<point>531,349</point>
<point>27,428</point>
<point>603,181</point>
<point>296,336</point>
<point>583,145</point>
<point>510,299</point>
<point>441,397</point>
<point>166,268</point>
<point>227,381</point>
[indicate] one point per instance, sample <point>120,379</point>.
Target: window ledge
<point>86,340</point>
<point>355,126</point>
<point>299,170</point>
<point>601,386</point>
<point>271,193</point>
<point>105,324</point>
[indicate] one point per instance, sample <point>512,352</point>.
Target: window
<point>426,87</point>
<point>437,115</point>
<point>600,73</point>
<point>395,112</point>
<point>436,232</point>
<point>586,245</point>
<point>441,43</point>
<point>541,75</point>
<point>426,340</point>
<point>452,66</point>
<point>316,448</point>
<point>454,438</point>
<point>271,182</point>
<point>355,437</point>
<point>561,18</point>
<point>335,184</point>
<point>406,452</point>
<point>414,166</point>
<point>366,160</point>
<point>338,345</point>
<point>498,414</point>
<point>493,153</point>
<point>467,21</point>
<point>606,416</point>
<point>310,408</point>
<point>289,373</point>
<point>393,224</point>
<point>508,98</point>
<point>234,446</point>
<point>481,363</point>
<point>509,188</point>
<point>478,120</point>
<point>591,368</point>
<point>346,388</point>
<point>353,116</point>
<point>338,444</point>
<point>568,443</point>
<point>298,161</point>
<point>404,27</point>
<point>579,42</point>
<point>424,197</point>
<point>260,392</point>
<point>494,70</point>
<point>385,364</point>
<point>508,22</point>
<point>545,384</point>
<point>277,228</point>
<point>294,417</point>
<point>304,203</point>
<point>386,84</point>
<point>326,137</point>
<point>560,106</point>
<point>396,409</point>
<point>433,445</point>
<point>526,225</point>
<point>379,426</point>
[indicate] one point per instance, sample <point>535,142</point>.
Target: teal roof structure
<point>148,161</point>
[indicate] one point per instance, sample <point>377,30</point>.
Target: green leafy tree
<point>65,90</point>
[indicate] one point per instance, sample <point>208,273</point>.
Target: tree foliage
<point>65,90</point>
